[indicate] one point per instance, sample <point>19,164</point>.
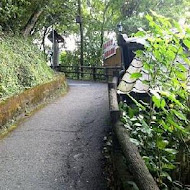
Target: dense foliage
<point>15,15</point>
<point>21,66</point>
<point>160,127</point>
<point>99,18</point>
<point>134,11</point>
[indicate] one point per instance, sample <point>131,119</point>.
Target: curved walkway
<point>59,147</point>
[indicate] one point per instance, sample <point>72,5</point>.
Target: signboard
<point>109,49</point>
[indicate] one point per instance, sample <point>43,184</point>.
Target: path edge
<point>17,107</point>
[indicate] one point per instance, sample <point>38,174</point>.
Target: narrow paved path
<point>59,147</point>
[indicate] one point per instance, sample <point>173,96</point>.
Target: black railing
<point>89,72</point>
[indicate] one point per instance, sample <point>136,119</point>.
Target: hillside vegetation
<point>22,66</point>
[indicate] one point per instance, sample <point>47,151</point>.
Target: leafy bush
<point>21,66</point>
<point>69,58</point>
<point>161,127</point>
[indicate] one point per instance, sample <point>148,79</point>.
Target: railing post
<point>81,71</point>
<point>106,74</point>
<point>94,73</point>
<point>77,72</point>
<point>59,68</point>
<point>115,73</point>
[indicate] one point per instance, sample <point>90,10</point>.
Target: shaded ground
<point>59,148</point>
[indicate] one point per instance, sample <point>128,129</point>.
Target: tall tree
<point>134,10</point>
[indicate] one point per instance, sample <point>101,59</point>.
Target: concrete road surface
<point>59,147</point>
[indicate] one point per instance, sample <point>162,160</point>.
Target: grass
<point>22,66</point>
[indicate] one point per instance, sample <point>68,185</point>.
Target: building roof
<point>57,37</point>
<point>129,84</point>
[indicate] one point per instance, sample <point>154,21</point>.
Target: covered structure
<point>136,86</point>
<point>131,65</point>
<point>55,38</point>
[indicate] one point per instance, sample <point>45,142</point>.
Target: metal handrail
<point>94,72</point>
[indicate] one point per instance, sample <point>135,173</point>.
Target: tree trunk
<point>31,23</point>
<point>102,27</point>
<point>43,39</point>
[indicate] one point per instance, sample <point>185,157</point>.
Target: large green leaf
<point>171,120</point>
<point>161,144</point>
<point>168,166</point>
<point>136,75</point>
<point>156,101</point>
<point>171,151</point>
<point>163,104</point>
<point>180,115</point>
<point>135,141</point>
<point>187,43</point>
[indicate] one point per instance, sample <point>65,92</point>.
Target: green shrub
<point>160,128</point>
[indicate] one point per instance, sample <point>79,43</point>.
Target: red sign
<point>109,49</point>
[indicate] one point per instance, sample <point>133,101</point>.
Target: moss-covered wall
<point>22,66</point>
<point>29,99</point>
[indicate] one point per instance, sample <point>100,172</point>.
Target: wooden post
<point>77,72</point>
<point>106,74</point>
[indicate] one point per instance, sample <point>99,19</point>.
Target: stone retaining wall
<point>28,100</point>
